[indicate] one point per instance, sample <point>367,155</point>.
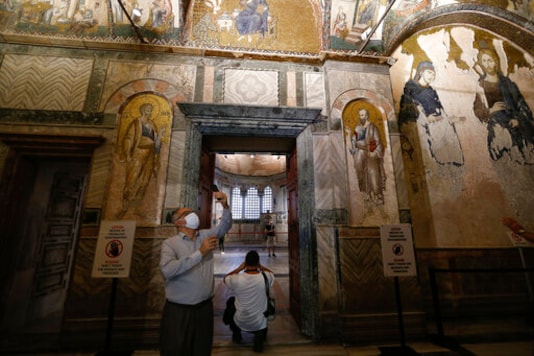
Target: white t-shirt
<point>250,299</point>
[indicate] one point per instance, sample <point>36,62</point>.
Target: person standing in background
<point>270,237</point>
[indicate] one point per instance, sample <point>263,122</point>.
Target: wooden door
<point>205,195</point>
<point>58,236</point>
<point>293,237</point>
<point>15,192</point>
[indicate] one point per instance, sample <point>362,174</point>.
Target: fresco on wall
<point>353,21</point>
<point>139,160</point>
<point>252,25</point>
<point>501,106</point>
<point>469,159</point>
<point>257,24</point>
<point>404,12</point>
<point>94,18</point>
<point>366,145</point>
<point>420,106</point>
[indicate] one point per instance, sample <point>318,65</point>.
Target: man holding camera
<point>187,266</point>
<point>246,310</point>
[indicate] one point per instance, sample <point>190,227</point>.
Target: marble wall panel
<point>339,170</point>
<point>323,172</point>
<point>340,81</point>
<point>326,267</point>
<point>209,84</point>
<point>99,172</point>
<point>340,77</point>
<point>126,78</point>
<point>379,83</point>
<point>314,90</point>
<point>291,89</point>
<point>251,87</point>
<point>44,82</point>
<point>174,172</point>
<point>330,172</point>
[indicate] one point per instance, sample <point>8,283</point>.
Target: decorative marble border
<point>51,117</point>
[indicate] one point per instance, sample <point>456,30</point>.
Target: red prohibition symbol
<point>114,248</point>
<point>398,249</point>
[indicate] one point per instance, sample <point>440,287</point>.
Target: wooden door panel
<point>293,237</point>
<point>205,195</point>
<point>59,234</point>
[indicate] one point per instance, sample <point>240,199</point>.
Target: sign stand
<point>399,260</point>
<point>109,330</point>
<point>112,259</point>
<point>399,312</point>
<point>111,313</point>
<point>401,350</point>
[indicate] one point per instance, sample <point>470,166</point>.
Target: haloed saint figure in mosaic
<point>141,146</point>
<point>368,152</point>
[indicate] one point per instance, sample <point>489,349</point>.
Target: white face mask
<point>192,221</point>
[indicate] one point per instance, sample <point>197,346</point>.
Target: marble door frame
<point>247,121</point>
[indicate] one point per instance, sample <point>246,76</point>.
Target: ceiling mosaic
<point>298,27</point>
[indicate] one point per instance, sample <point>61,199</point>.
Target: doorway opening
<point>44,181</point>
<point>256,185</point>
<point>234,128</point>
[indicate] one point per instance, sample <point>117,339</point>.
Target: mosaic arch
<point>155,86</point>
<point>380,102</point>
<point>505,23</point>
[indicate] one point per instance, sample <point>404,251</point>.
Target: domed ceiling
<point>251,164</point>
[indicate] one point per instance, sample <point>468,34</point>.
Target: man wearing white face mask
<point>187,266</point>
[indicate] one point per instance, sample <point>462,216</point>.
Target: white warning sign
<point>113,252</point>
<point>397,250</point>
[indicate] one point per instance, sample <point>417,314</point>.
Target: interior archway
<point>508,25</point>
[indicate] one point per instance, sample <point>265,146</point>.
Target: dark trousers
<point>228,319</point>
<point>187,329</point>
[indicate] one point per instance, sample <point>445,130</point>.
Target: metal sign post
<point>398,259</point>
<point>112,260</point>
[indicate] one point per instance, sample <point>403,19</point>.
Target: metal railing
<point>434,286</point>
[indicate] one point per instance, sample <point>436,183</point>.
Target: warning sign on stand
<point>113,252</point>
<point>519,241</point>
<point>397,250</point>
